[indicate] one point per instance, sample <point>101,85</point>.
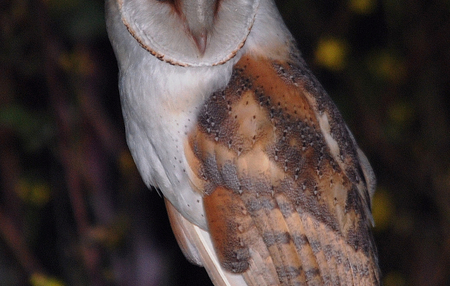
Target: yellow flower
<point>331,53</point>
<point>37,193</point>
<point>39,279</point>
<point>382,209</point>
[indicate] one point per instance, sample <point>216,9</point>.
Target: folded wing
<point>286,197</point>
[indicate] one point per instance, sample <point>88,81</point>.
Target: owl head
<point>212,31</point>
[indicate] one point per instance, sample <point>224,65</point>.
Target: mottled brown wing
<point>285,197</point>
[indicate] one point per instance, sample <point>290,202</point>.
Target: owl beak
<point>199,19</point>
<point>200,40</point>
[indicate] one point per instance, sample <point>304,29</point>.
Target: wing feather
<point>197,247</point>
<point>286,199</point>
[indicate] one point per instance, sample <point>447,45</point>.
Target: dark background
<point>73,210</point>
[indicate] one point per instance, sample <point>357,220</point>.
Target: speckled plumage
<point>264,183</point>
<point>272,184</point>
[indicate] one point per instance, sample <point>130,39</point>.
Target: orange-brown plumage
<point>274,190</point>
<point>264,183</point>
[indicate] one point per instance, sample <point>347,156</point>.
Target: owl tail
<point>196,245</point>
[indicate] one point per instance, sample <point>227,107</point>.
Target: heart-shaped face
<point>190,32</point>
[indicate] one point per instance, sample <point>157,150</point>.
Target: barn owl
<point>264,183</point>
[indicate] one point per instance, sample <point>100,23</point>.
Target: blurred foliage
<point>73,210</point>
<point>38,279</point>
<point>331,53</point>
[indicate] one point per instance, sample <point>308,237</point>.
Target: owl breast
<point>160,104</point>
